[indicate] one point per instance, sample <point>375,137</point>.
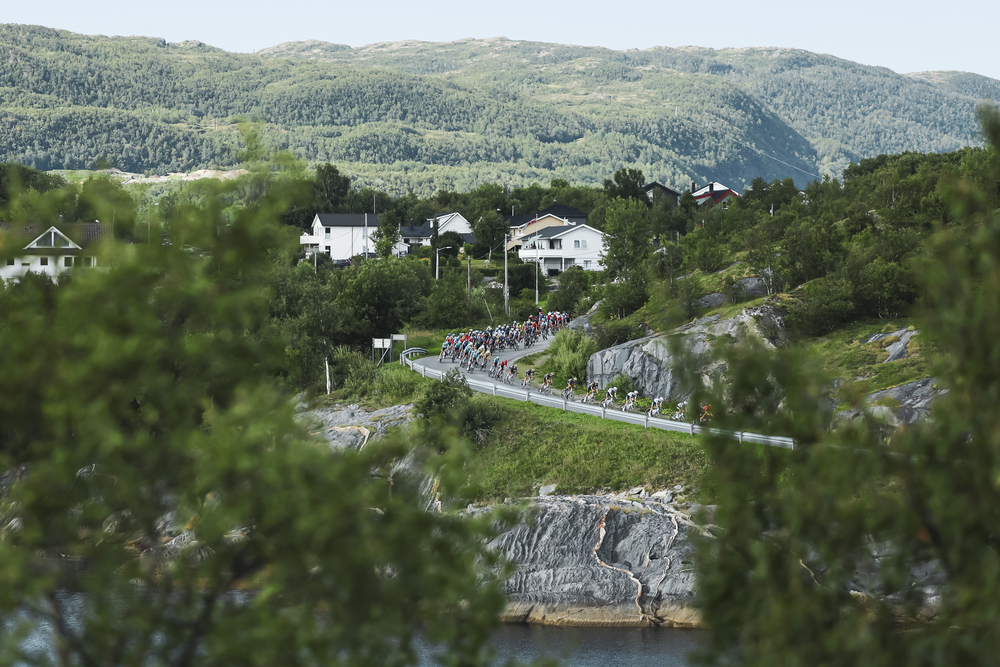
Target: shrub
<point>447,400</point>
<point>569,353</point>
<point>624,384</point>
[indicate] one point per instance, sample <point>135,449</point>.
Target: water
<point>588,647</point>
<point>572,647</point>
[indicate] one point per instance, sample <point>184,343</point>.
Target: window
<point>67,261</point>
<point>556,244</point>
<point>326,233</point>
<point>586,264</point>
<point>10,262</point>
<point>88,261</point>
<point>580,243</point>
<point>44,261</point>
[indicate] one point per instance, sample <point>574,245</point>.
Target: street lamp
<point>437,259</point>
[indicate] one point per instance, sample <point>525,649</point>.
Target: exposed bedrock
<point>592,560</point>
<point>648,362</point>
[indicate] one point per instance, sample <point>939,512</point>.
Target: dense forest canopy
<point>424,117</point>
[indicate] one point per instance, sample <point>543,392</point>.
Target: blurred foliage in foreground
<point>148,447</point>
<point>824,550</point>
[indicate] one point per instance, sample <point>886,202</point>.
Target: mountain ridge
<point>422,116</point>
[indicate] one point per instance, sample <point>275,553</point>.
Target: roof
<point>347,219</point>
<point>557,210</point>
<point>424,231</point>
<point>660,186</point>
<point>83,234</point>
<point>556,232</point>
<point>715,191</point>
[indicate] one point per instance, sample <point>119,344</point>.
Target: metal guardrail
<point>527,395</point>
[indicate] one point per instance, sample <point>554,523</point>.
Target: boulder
<point>351,426</point>
<point>593,560</point>
<point>712,300</point>
<point>647,361</point>
<point>753,287</point>
<point>897,349</point>
<point>900,405</point>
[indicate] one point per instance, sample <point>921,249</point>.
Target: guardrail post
<point>692,428</point>
<point>564,404</point>
<point>739,436</point>
<point>645,421</point>
<point>494,389</point>
<point>603,410</point>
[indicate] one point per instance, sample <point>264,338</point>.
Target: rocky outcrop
<point>601,561</point>
<point>648,362</point>
<point>351,426</point>
<point>900,405</point>
<point>896,343</point>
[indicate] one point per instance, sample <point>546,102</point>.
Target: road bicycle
<point>544,389</point>
<point>568,394</point>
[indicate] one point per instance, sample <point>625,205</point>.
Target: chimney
<point>711,188</point>
<point>692,187</point>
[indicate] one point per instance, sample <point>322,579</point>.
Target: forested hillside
<point>455,116</point>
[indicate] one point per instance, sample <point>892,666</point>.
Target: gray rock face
<point>904,404</point>
<point>897,350</point>
<point>712,300</point>
<point>647,361</point>
<point>593,560</point>
<point>350,426</point>
<point>753,287</point>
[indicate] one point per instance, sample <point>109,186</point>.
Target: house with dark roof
<point>651,189</point>
<point>50,250</point>
<point>340,235</point>
<point>557,248</point>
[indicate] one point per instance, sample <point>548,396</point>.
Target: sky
<point>913,36</point>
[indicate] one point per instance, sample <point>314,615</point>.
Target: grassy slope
<point>537,445</point>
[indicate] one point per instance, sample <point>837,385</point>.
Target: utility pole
<point>470,289</point>
<point>536,259</point>
<point>506,296</point>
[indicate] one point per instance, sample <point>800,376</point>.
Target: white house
<point>714,191</point>
<point>558,248</point>
<point>340,235</point>
<point>557,215</point>
<point>50,250</point>
<point>451,222</point>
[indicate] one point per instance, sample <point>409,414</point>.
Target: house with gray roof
<point>51,250</point>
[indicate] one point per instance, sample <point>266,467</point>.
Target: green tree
<point>387,235</point>
<point>491,230</point>
<point>447,306</point>
<point>823,550</point>
<point>331,189</point>
<point>627,244</point>
<point>149,444</point>
<point>626,184</point>
<point>377,298</point>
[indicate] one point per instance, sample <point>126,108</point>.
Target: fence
<point>518,394</point>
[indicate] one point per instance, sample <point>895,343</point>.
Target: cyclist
<point>529,376</point>
<point>570,388</point>
<point>592,390</point>
<point>511,374</point>
<point>654,409</point>
<point>609,396</point>
<point>706,413</point>
<point>546,382</point>
<point>495,371</point>
<point>630,400</point>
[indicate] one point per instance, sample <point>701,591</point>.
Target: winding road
<point>480,381</point>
